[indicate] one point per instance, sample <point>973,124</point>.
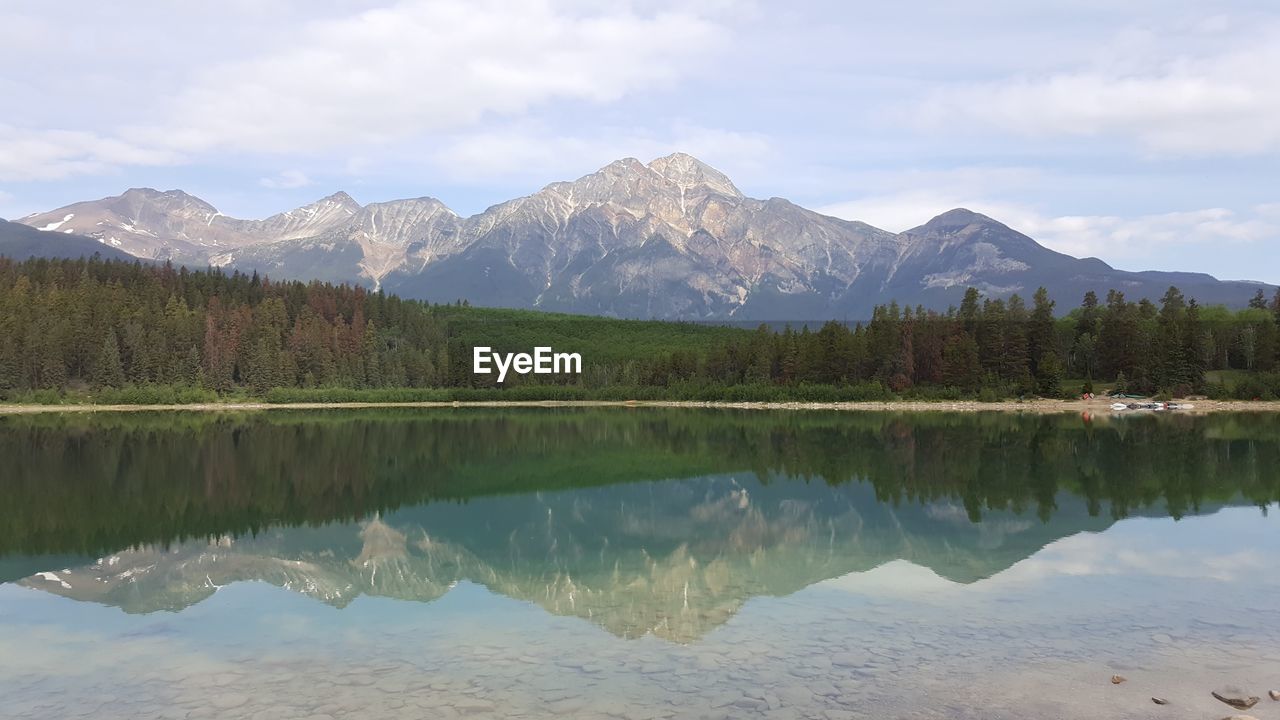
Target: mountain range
<point>671,239</point>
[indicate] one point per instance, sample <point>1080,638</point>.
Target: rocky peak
<point>622,167</point>
<point>956,219</point>
<point>340,199</point>
<point>170,200</point>
<point>687,171</point>
<point>425,202</point>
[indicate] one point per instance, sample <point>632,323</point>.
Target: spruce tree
<point>108,372</point>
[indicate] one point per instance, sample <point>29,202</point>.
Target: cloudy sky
<point>1145,133</point>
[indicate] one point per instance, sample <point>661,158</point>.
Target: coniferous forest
<point>121,331</point>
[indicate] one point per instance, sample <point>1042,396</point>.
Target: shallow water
<point>644,564</point>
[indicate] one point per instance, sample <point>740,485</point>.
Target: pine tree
<point>108,372</point>
<point>1259,301</point>
<point>1172,367</point>
<point>1015,358</point>
<point>969,312</point>
<point>1040,333</point>
<point>1193,352</point>
<point>962,368</point>
<point>1049,376</point>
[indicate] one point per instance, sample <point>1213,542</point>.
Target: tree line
<point>1006,347</point>
<point>90,325</point>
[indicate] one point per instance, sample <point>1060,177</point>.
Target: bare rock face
<point>674,238</point>
<point>173,225</point>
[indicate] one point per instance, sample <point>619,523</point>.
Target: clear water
<point>637,564</point>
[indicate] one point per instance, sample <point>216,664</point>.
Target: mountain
<point>21,242</point>
<point>173,225</point>
<point>672,239</point>
<point>961,249</point>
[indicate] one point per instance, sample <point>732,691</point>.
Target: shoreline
<point>1100,406</point>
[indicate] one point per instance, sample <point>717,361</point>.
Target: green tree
<point>108,371</point>
<point>1049,376</point>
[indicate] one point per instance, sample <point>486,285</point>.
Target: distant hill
<point>21,242</point>
<point>670,239</point>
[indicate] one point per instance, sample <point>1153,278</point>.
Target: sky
<point>1145,133</point>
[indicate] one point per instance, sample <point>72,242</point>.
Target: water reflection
<point>624,564</point>
<point>661,523</point>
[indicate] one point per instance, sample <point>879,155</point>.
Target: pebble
<point>1117,679</point>
<point>1159,701</point>
<point>1275,695</point>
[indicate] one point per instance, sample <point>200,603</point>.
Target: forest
<point>113,331</point>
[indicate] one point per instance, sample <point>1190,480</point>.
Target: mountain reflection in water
<point>642,522</point>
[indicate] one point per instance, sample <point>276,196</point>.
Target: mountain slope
<point>961,249</point>
<point>20,241</point>
<point>672,239</point>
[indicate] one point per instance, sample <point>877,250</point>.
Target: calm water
<point>636,564</point>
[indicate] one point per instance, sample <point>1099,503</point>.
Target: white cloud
<point>901,200</point>
<point>286,180</point>
<point>1161,95</point>
<point>376,76</point>
<point>419,67</point>
<point>539,155</point>
<point>1140,237</point>
<point>54,154</point>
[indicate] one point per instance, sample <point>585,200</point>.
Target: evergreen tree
<point>1049,376</point>
<point>960,362</point>
<point>1172,366</point>
<point>107,368</point>
<point>1040,331</point>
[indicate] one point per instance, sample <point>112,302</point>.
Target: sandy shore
<point>1102,406</point>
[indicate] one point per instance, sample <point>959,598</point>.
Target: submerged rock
<point>1275,695</point>
<point>1159,701</point>
<point>1236,698</point>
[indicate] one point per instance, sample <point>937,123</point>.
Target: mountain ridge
<point>672,239</point>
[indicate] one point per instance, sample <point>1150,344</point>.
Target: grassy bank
<point>167,395</point>
<point>1263,387</point>
<point>1089,407</point>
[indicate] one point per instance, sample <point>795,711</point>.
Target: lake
<point>636,563</point>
